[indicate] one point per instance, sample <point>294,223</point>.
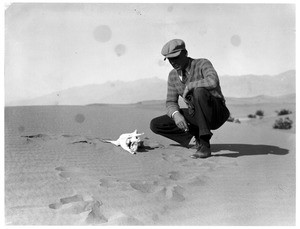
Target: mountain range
<point>119,92</point>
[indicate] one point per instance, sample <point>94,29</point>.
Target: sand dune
<point>57,172</point>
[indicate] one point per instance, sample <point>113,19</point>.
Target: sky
<point>54,46</point>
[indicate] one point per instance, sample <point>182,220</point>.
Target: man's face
<point>178,62</point>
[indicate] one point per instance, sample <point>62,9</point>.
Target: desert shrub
<point>283,123</point>
<point>259,113</point>
<point>251,116</point>
<point>237,120</point>
<point>283,112</point>
<point>230,119</point>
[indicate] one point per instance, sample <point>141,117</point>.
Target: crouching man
<point>197,82</point>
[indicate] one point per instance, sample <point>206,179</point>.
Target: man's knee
<point>200,93</point>
<point>153,125</point>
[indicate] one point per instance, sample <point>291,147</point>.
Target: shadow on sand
<point>238,150</point>
<point>144,149</point>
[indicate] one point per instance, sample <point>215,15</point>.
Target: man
<point>197,82</point>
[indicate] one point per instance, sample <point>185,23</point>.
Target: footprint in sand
<point>161,192</point>
<point>122,219</point>
<point>163,211</point>
<point>67,173</point>
<point>173,193</point>
<point>114,183</point>
<point>95,216</point>
<point>108,183</point>
<point>175,175</point>
<point>66,200</point>
<point>198,180</point>
<point>77,205</point>
<point>144,187</point>
<point>173,158</point>
<point>171,177</point>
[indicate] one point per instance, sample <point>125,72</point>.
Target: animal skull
<point>129,141</point>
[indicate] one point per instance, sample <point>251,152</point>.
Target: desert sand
<point>57,172</point>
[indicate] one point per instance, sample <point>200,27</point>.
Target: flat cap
<point>173,48</point>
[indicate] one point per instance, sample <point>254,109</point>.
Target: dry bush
<point>284,124</point>
<point>283,112</point>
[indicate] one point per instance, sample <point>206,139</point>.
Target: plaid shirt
<point>200,73</point>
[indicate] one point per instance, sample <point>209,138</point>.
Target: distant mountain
<point>119,92</point>
<point>254,85</point>
<point>263,99</point>
<point>110,92</point>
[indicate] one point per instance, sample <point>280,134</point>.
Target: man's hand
<point>180,121</point>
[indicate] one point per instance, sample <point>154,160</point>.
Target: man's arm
<point>172,98</point>
<point>173,107</point>
<point>210,78</point>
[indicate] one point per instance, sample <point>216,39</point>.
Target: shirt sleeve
<point>172,97</point>
<point>172,116</point>
<point>209,79</point>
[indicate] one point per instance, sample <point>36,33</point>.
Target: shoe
<point>202,152</point>
<point>197,144</point>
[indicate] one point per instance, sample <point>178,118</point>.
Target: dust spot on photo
<point>170,9</point>
<point>102,33</point>
<point>235,40</point>
<point>120,49</point>
<point>79,118</point>
<point>202,31</point>
<point>161,63</point>
<point>138,12</point>
<point>21,129</point>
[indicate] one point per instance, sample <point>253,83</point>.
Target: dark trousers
<point>209,113</point>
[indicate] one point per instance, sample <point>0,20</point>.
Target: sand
<point>57,172</point>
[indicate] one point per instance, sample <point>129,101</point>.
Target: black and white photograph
<point>149,114</point>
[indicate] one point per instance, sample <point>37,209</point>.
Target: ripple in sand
<point>37,136</point>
